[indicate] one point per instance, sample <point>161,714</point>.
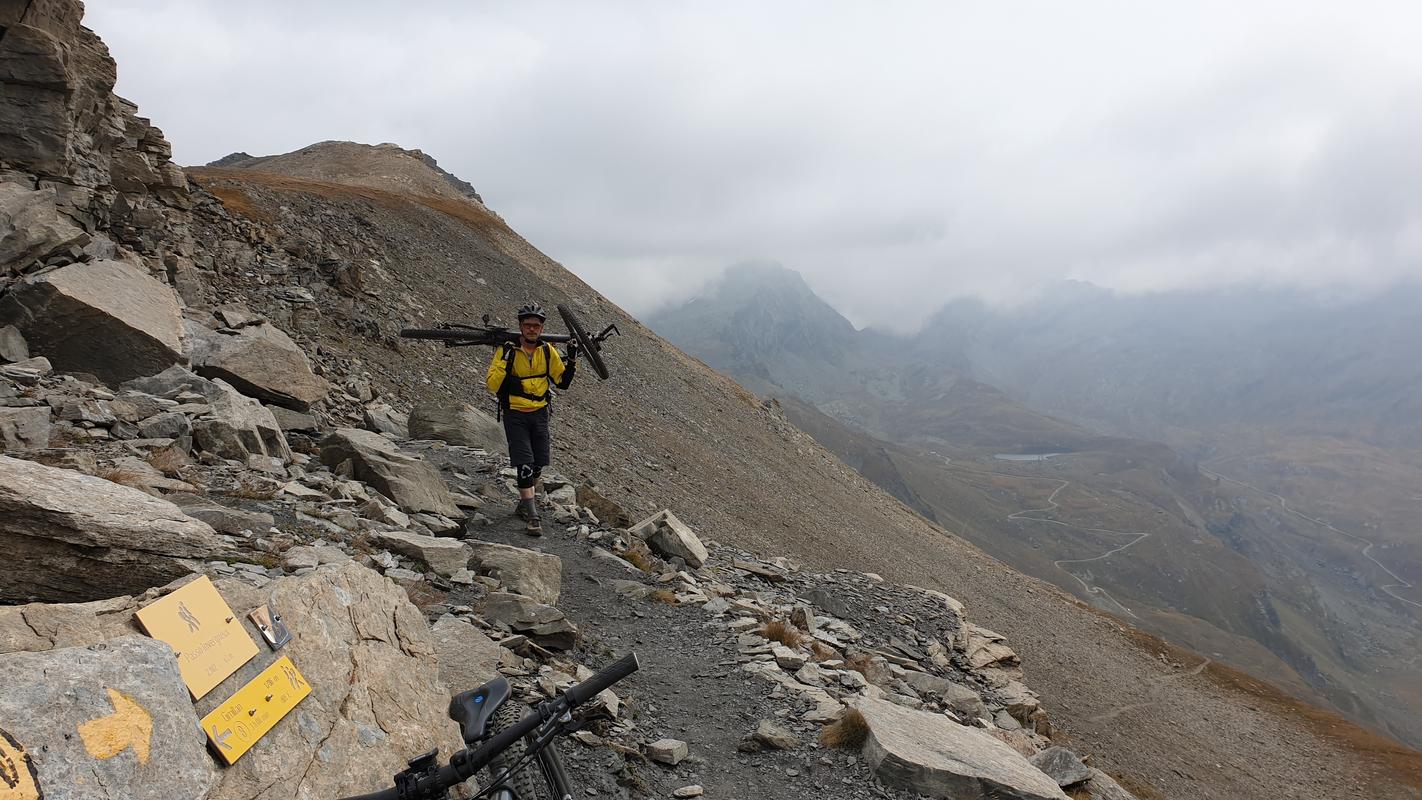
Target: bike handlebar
<point>463,764</point>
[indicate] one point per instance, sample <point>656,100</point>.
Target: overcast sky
<point>897,154</point>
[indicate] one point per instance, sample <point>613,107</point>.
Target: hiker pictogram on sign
<point>208,639</point>
<point>18,778</point>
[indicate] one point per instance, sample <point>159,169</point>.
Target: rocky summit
<point>202,390</point>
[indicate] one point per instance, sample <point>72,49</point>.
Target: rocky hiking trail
<point>710,681</point>
<point>200,376</point>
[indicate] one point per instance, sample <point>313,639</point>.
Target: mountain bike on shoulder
<point>497,737</point>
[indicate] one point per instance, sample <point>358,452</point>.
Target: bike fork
<point>553,773</point>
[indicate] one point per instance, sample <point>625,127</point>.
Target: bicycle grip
<point>608,675</point>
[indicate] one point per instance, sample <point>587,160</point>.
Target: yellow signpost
<point>233,727</point>
<point>197,623</point>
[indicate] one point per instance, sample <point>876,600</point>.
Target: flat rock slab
<point>104,317</point>
<point>526,572</point>
<point>110,720</point>
<point>69,536</point>
<point>932,755</point>
<point>444,556</point>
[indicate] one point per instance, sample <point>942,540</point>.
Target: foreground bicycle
<point>505,743</point>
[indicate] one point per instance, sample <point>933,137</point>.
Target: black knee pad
<point>528,475</point>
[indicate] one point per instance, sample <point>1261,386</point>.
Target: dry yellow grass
<point>126,477</point>
<point>778,630</point>
<point>847,732</point>
<point>663,596</point>
<point>169,461</point>
<point>225,184</point>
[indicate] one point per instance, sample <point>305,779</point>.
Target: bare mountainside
<point>1131,526</point>
<point>669,431</point>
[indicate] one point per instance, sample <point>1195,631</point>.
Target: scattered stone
<point>103,317</point>
<point>604,508</point>
<point>694,790</point>
<point>236,427</point>
<point>224,519</point>
<point>32,229</point>
<point>1062,765</point>
<point>444,556</point>
<point>671,538</point>
<point>668,751</point>
<point>24,429</point>
<point>526,572</point>
<point>932,755</point>
<point>414,484</point>
<point>771,736</point>
<point>455,423</point>
<point>260,361</point>
<point>68,536</point>
<point>291,420</point>
<point>1102,787</point>
<point>382,418</point>
<point>545,625</point>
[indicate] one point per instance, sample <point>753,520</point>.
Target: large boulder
<point>24,428</point>
<point>237,427</point>
<point>260,361</point>
<point>107,318</point>
<point>69,536</point>
<point>376,696</point>
<point>108,720</point>
<point>670,537</point>
<point>607,510</point>
<point>413,484</point>
<point>456,423</point>
<point>932,755</point>
<point>526,572</point>
<point>32,229</point>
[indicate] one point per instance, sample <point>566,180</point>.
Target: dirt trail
<point>1366,550</point>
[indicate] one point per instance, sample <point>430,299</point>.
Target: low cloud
<point>898,154</point>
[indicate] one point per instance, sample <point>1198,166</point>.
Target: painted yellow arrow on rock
<point>129,726</point>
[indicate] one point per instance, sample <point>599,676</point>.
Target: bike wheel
<point>527,782</point>
<point>592,350</point>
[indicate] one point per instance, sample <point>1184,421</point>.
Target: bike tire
<point>590,347</point>
<point>528,782</point>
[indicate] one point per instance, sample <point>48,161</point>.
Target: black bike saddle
<point>473,709</point>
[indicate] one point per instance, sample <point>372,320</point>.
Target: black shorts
<point>527,432</point>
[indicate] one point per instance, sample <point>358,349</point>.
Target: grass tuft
<point>779,630</point>
<point>663,596</point>
<point>847,732</point>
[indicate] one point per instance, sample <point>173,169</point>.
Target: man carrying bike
<point>522,378</point>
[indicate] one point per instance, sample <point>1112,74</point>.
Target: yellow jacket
<point>534,375</point>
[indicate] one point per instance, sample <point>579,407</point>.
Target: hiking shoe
<point>535,525</point>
